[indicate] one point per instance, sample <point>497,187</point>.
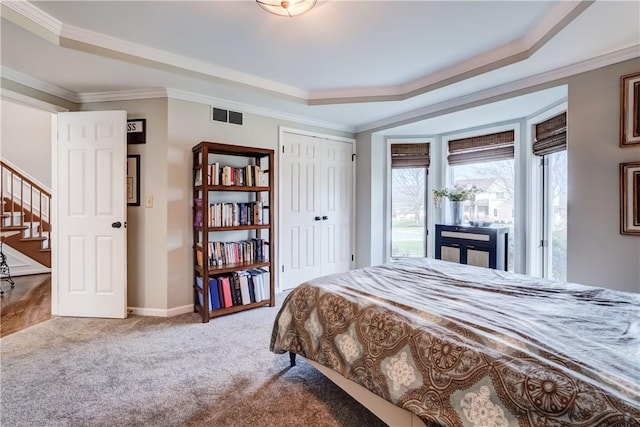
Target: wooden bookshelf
<point>258,237</point>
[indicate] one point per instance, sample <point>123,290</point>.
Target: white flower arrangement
<point>456,194</point>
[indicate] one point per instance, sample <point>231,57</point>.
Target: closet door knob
<point>317,218</point>
<point>324,218</point>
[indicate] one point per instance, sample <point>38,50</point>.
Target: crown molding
<point>122,95</point>
<point>247,108</point>
<point>549,76</point>
<point>33,14</point>
<point>101,44</point>
<point>30,102</point>
<point>588,65</point>
<point>129,95</point>
<point>40,85</point>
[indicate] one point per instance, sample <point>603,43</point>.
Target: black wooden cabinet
<point>479,246</point>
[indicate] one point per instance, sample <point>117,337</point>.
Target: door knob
<point>317,218</point>
<point>324,218</point>
<point>116,224</point>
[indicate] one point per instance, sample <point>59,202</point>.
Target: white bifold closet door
<point>316,193</point>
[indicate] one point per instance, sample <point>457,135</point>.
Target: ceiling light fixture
<point>288,8</point>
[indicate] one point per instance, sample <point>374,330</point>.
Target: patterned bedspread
<point>467,346</point>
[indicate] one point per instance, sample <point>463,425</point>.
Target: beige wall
<point>25,140</point>
<point>597,253</point>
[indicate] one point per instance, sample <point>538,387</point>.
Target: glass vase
<point>457,211</point>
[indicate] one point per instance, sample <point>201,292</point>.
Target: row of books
<point>224,253</point>
<point>250,175</point>
<point>238,288</point>
<point>234,214</point>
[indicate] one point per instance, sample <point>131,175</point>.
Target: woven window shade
<point>485,148</point>
<point>551,135</point>
<point>410,155</point>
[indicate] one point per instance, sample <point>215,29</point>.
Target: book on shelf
<point>244,288</point>
<point>200,295</point>
<point>266,283</point>
<point>197,214</point>
<point>236,293</point>
<point>214,293</point>
<point>198,180</point>
<point>252,289</point>
<point>227,300</point>
<point>199,255</point>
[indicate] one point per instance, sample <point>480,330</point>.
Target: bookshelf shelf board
<point>235,309</point>
<point>237,188</point>
<point>240,227</point>
<point>229,268</point>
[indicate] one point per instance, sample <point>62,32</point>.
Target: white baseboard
<point>160,312</point>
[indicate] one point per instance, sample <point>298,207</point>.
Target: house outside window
<point>487,161</point>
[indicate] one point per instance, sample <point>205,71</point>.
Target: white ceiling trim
<point>563,12</point>
<point>122,95</point>
<point>128,95</point>
<point>70,36</point>
<point>85,40</point>
<point>580,67</point>
<point>31,102</point>
<point>32,13</point>
<point>601,61</point>
<point>246,108</point>
<point>40,85</point>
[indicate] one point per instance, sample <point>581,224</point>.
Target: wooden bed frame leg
<point>292,359</point>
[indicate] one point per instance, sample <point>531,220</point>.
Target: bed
<point>428,342</point>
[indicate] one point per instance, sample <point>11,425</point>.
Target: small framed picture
<point>629,110</point>
<point>133,179</point>
<point>630,198</point>
<point>136,131</point>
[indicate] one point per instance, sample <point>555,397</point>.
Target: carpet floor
<point>150,371</point>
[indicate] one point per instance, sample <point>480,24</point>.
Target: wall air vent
<point>226,116</point>
<point>235,117</point>
<point>219,115</point>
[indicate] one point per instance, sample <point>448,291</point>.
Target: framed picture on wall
<point>133,179</point>
<point>629,110</point>
<point>630,198</point>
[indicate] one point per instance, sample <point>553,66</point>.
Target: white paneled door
<point>316,194</point>
<point>336,196</point>
<point>91,254</point>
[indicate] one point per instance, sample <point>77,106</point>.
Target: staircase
<point>25,215</point>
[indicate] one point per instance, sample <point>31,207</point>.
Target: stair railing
<point>20,194</point>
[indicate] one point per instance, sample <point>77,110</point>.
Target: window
<point>551,146</point>
<point>409,168</point>
<point>487,162</point>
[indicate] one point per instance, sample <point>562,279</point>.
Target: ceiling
<point>348,65</point>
